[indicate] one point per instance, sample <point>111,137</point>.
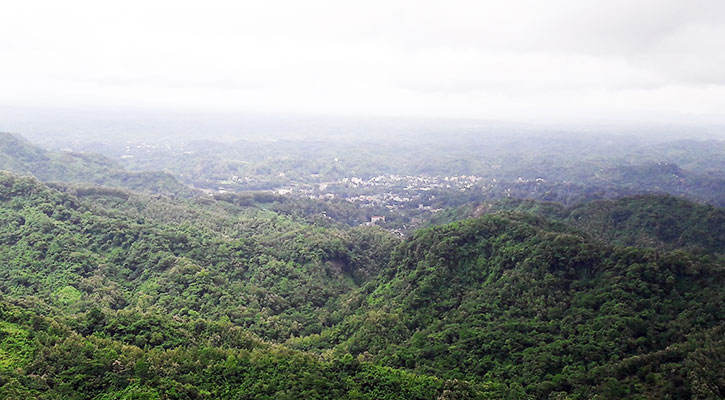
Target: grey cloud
<point>491,59</point>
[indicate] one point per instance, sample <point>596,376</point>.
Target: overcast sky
<point>549,61</point>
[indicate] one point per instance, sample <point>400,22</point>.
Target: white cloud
<point>527,60</point>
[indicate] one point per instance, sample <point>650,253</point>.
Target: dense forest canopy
<point>598,276</point>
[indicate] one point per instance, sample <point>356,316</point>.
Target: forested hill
<point>19,156</point>
<point>45,358</point>
<point>270,274</point>
<point>514,298</point>
<point>112,300</point>
<point>109,294</point>
<point>653,221</point>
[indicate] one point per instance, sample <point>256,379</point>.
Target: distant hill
<point>655,221</point>
<point>662,177</point>
<point>20,156</point>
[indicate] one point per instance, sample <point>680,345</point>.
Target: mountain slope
<point>653,221</point>
<point>514,298</point>
<point>44,358</point>
<point>19,156</point>
<point>260,270</point>
<point>128,298</point>
<point>199,298</point>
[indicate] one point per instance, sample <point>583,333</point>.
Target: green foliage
<point>66,365</point>
<point>654,221</point>
<point>110,294</point>
<point>271,274</point>
<point>67,295</point>
<point>514,298</point>
<point>16,348</point>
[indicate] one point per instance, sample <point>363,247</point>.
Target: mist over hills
<point>20,156</point>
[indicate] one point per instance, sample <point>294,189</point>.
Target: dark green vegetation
<point>107,293</point>
<point>146,296</point>
<point>144,309</point>
<point>655,221</point>
<point>47,359</point>
<point>514,298</point>
<point>257,269</point>
<point>334,212</point>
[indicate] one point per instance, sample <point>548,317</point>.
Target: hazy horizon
<point>45,125</point>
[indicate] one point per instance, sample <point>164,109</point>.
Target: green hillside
<point>47,359</point>
<point>652,221</point>
<point>112,294</point>
<point>20,156</point>
<point>260,270</point>
<point>133,296</point>
<point>514,298</point>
